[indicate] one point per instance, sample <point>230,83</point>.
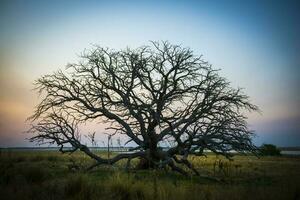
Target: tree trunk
<point>153,156</point>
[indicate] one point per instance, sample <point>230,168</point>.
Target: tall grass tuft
<point>124,187</point>
<point>78,187</point>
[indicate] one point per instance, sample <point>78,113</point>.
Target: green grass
<point>47,175</point>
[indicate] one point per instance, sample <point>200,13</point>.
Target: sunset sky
<point>256,45</point>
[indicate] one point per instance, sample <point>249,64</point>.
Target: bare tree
<point>91,138</point>
<point>155,93</point>
<point>109,143</point>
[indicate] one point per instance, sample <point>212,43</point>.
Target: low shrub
<point>269,150</point>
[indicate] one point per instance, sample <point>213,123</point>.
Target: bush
<point>269,150</point>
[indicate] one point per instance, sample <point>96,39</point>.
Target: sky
<point>256,45</point>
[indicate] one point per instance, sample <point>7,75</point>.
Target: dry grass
<point>45,175</point>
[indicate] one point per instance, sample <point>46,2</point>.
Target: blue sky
<point>255,44</point>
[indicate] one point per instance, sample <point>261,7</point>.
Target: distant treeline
<point>56,148</point>
<point>112,148</point>
<point>289,148</point>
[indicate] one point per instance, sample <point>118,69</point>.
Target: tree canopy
<point>161,93</point>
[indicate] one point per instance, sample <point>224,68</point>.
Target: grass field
<point>49,175</point>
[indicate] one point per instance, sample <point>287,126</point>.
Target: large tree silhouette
<point>153,94</point>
